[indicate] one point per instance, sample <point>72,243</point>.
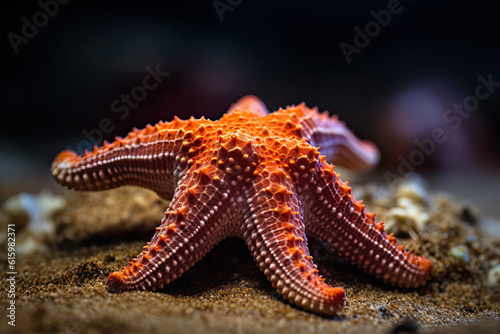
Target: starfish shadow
<point>229,261</point>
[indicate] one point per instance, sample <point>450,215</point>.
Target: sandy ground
<point>60,282</point>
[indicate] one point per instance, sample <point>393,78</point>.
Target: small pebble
<point>471,238</point>
<point>494,277</point>
<point>414,188</point>
<point>461,253</point>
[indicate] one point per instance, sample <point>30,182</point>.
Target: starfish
<point>254,175</point>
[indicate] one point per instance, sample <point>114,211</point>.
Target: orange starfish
<point>256,176</point>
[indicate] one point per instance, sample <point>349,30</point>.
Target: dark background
<point>394,91</point>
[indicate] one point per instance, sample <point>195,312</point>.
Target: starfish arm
<point>154,158</point>
<point>251,104</point>
<point>192,226</point>
<point>336,141</point>
<point>337,218</point>
<point>339,144</point>
<point>274,233</point>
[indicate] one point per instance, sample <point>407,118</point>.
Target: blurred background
<point>75,73</point>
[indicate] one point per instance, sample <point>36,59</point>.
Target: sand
<point>62,289</point>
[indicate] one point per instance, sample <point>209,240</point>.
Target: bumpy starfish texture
<point>253,175</point>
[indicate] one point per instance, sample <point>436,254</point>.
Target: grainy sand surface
<point>63,290</point>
